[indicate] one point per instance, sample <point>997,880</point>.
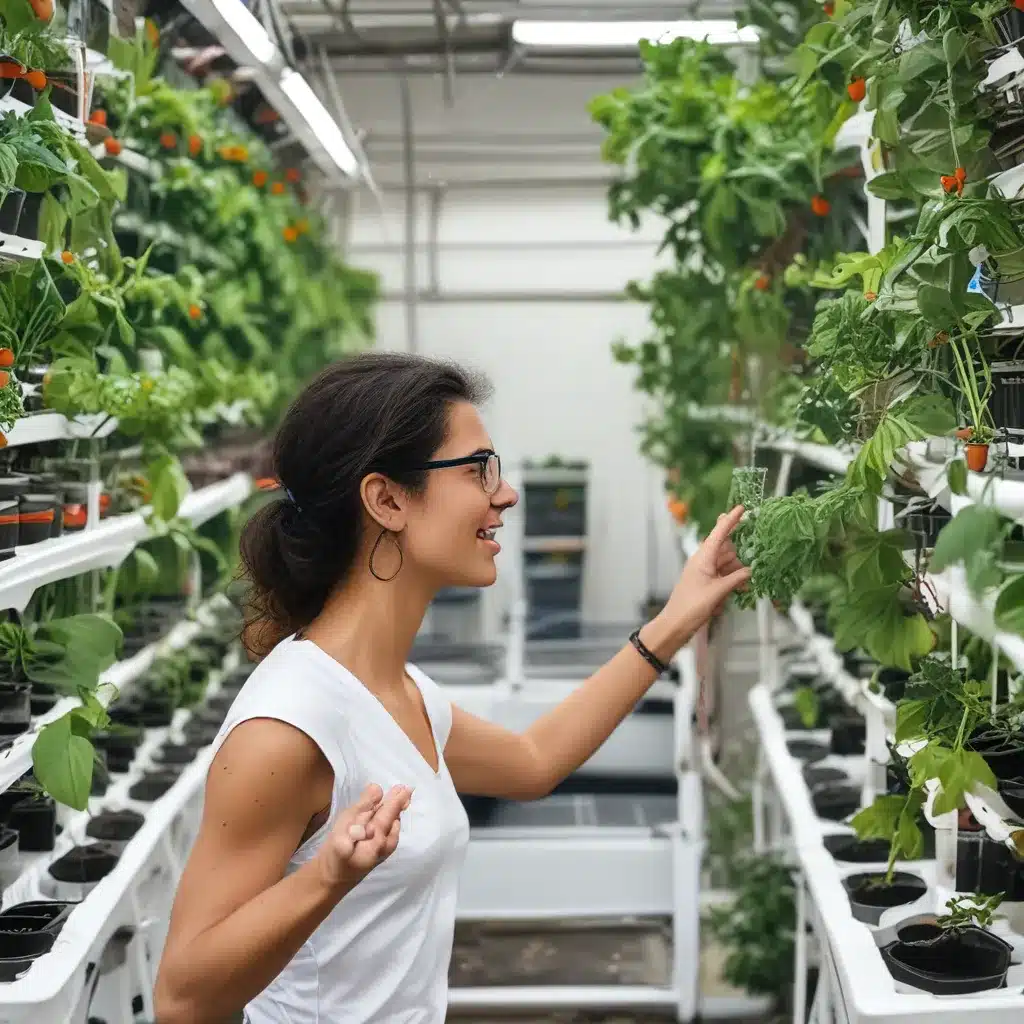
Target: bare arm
<point>237,921</point>
<point>488,760</point>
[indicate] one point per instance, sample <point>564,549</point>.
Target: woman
<point>322,885</point>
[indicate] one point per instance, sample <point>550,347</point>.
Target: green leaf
<point>62,760</point>
<point>1009,610</point>
<point>956,476</point>
<point>911,720</point>
<point>168,487</point>
<point>974,528</point>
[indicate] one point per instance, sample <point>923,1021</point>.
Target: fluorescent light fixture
<point>254,45</point>
<point>598,35</point>
<point>323,129</point>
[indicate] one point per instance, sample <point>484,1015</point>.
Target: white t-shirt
<point>383,953</point>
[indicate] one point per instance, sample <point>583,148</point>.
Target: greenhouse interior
<point>725,223</point>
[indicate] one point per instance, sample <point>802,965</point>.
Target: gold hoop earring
<point>373,552</point>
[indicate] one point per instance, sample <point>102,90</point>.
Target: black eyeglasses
<point>489,463</point>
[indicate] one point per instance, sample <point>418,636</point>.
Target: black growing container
<point>175,753</point>
<point>836,801</point>
<point>987,867</point>
<point>153,785</point>
<point>10,211</point>
<point>870,896</point>
<point>848,849</point>
<point>1007,401</point>
<point>893,682</point>
<point>85,864</point>
<point>19,950</point>
<point>35,518</point>
<point>100,774</point>
<point>48,483</point>
<point>807,751</point>
<point>817,775</point>
<point>28,222</point>
<point>35,821</point>
<point>15,708</point>
<point>119,746</point>
<point>849,733</point>
<point>36,916</point>
<point>8,527</point>
<point>926,957</point>
<point>200,733</point>
<point>149,714</point>
<point>115,826</point>
<point>1003,754</point>
<point>40,702</point>
<point>927,523</point>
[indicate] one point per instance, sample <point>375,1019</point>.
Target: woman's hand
<point>364,835</point>
<point>708,578</point>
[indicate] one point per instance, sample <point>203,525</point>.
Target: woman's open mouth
<point>487,536</point>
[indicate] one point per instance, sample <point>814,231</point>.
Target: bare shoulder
<point>267,770</point>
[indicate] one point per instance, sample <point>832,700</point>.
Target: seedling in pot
<point>964,911</point>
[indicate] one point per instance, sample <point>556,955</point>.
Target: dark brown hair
<point>377,412</point>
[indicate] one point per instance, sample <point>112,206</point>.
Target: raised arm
<point>488,760</point>
<point>236,920</point>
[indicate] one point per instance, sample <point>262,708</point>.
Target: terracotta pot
<point>977,457</point>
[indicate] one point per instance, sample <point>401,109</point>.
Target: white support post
<point>800,954</point>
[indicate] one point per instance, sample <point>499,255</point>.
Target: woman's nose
<point>505,496</point>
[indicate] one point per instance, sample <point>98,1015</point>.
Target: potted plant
<point>956,954</point>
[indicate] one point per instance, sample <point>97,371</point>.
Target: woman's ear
<point>384,501</point>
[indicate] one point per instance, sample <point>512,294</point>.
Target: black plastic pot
<point>13,485</point>
<point>176,753</point>
<point>870,896</point>
<point>28,222</point>
<point>18,951</point>
<point>836,801</point>
<point>200,733</point>
<point>14,794</point>
<point>10,211</point>
<point>153,785</point>
<point>35,821</point>
<point>35,518</point>
<point>8,527</point>
<point>115,826</point>
<point>849,733</point>
<point>927,524</point>
<point>893,682</point>
<point>848,849</point>
<point>815,775</point>
<point>15,708</point>
<point>970,960</point>
<point>85,864</point>
<point>41,703</point>
<point>1007,401</point>
<point>48,483</point>
<point>119,747</point>
<point>807,751</point>
<point>36,916</point>
<point>146,715</point>
<point>1003,754</point>
<point>100,774</point>
<point>987,867</point>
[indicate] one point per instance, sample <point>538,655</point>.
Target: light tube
<point>246,26</point>
<point>598,35</point>
<point>323,127</point>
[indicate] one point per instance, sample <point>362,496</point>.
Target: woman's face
<point>449,529</point>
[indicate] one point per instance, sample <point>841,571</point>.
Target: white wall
<point>518,281</point>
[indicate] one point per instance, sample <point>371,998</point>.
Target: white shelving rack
<point>83,971</point>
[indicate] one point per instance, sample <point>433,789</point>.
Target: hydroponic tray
<point>854,984</point>
<point>137,892</point>
<point>106,544</point>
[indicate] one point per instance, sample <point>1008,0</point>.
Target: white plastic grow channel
<point>52,426</point>
<point>131,160</point>
<point>823,456</point>
<point>16,247</point>
<point>104,544</point>
<point>67,121</point>
<point>137,893</point>
<point>854,985</point>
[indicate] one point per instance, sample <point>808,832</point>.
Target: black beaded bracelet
<point>647,654</point>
